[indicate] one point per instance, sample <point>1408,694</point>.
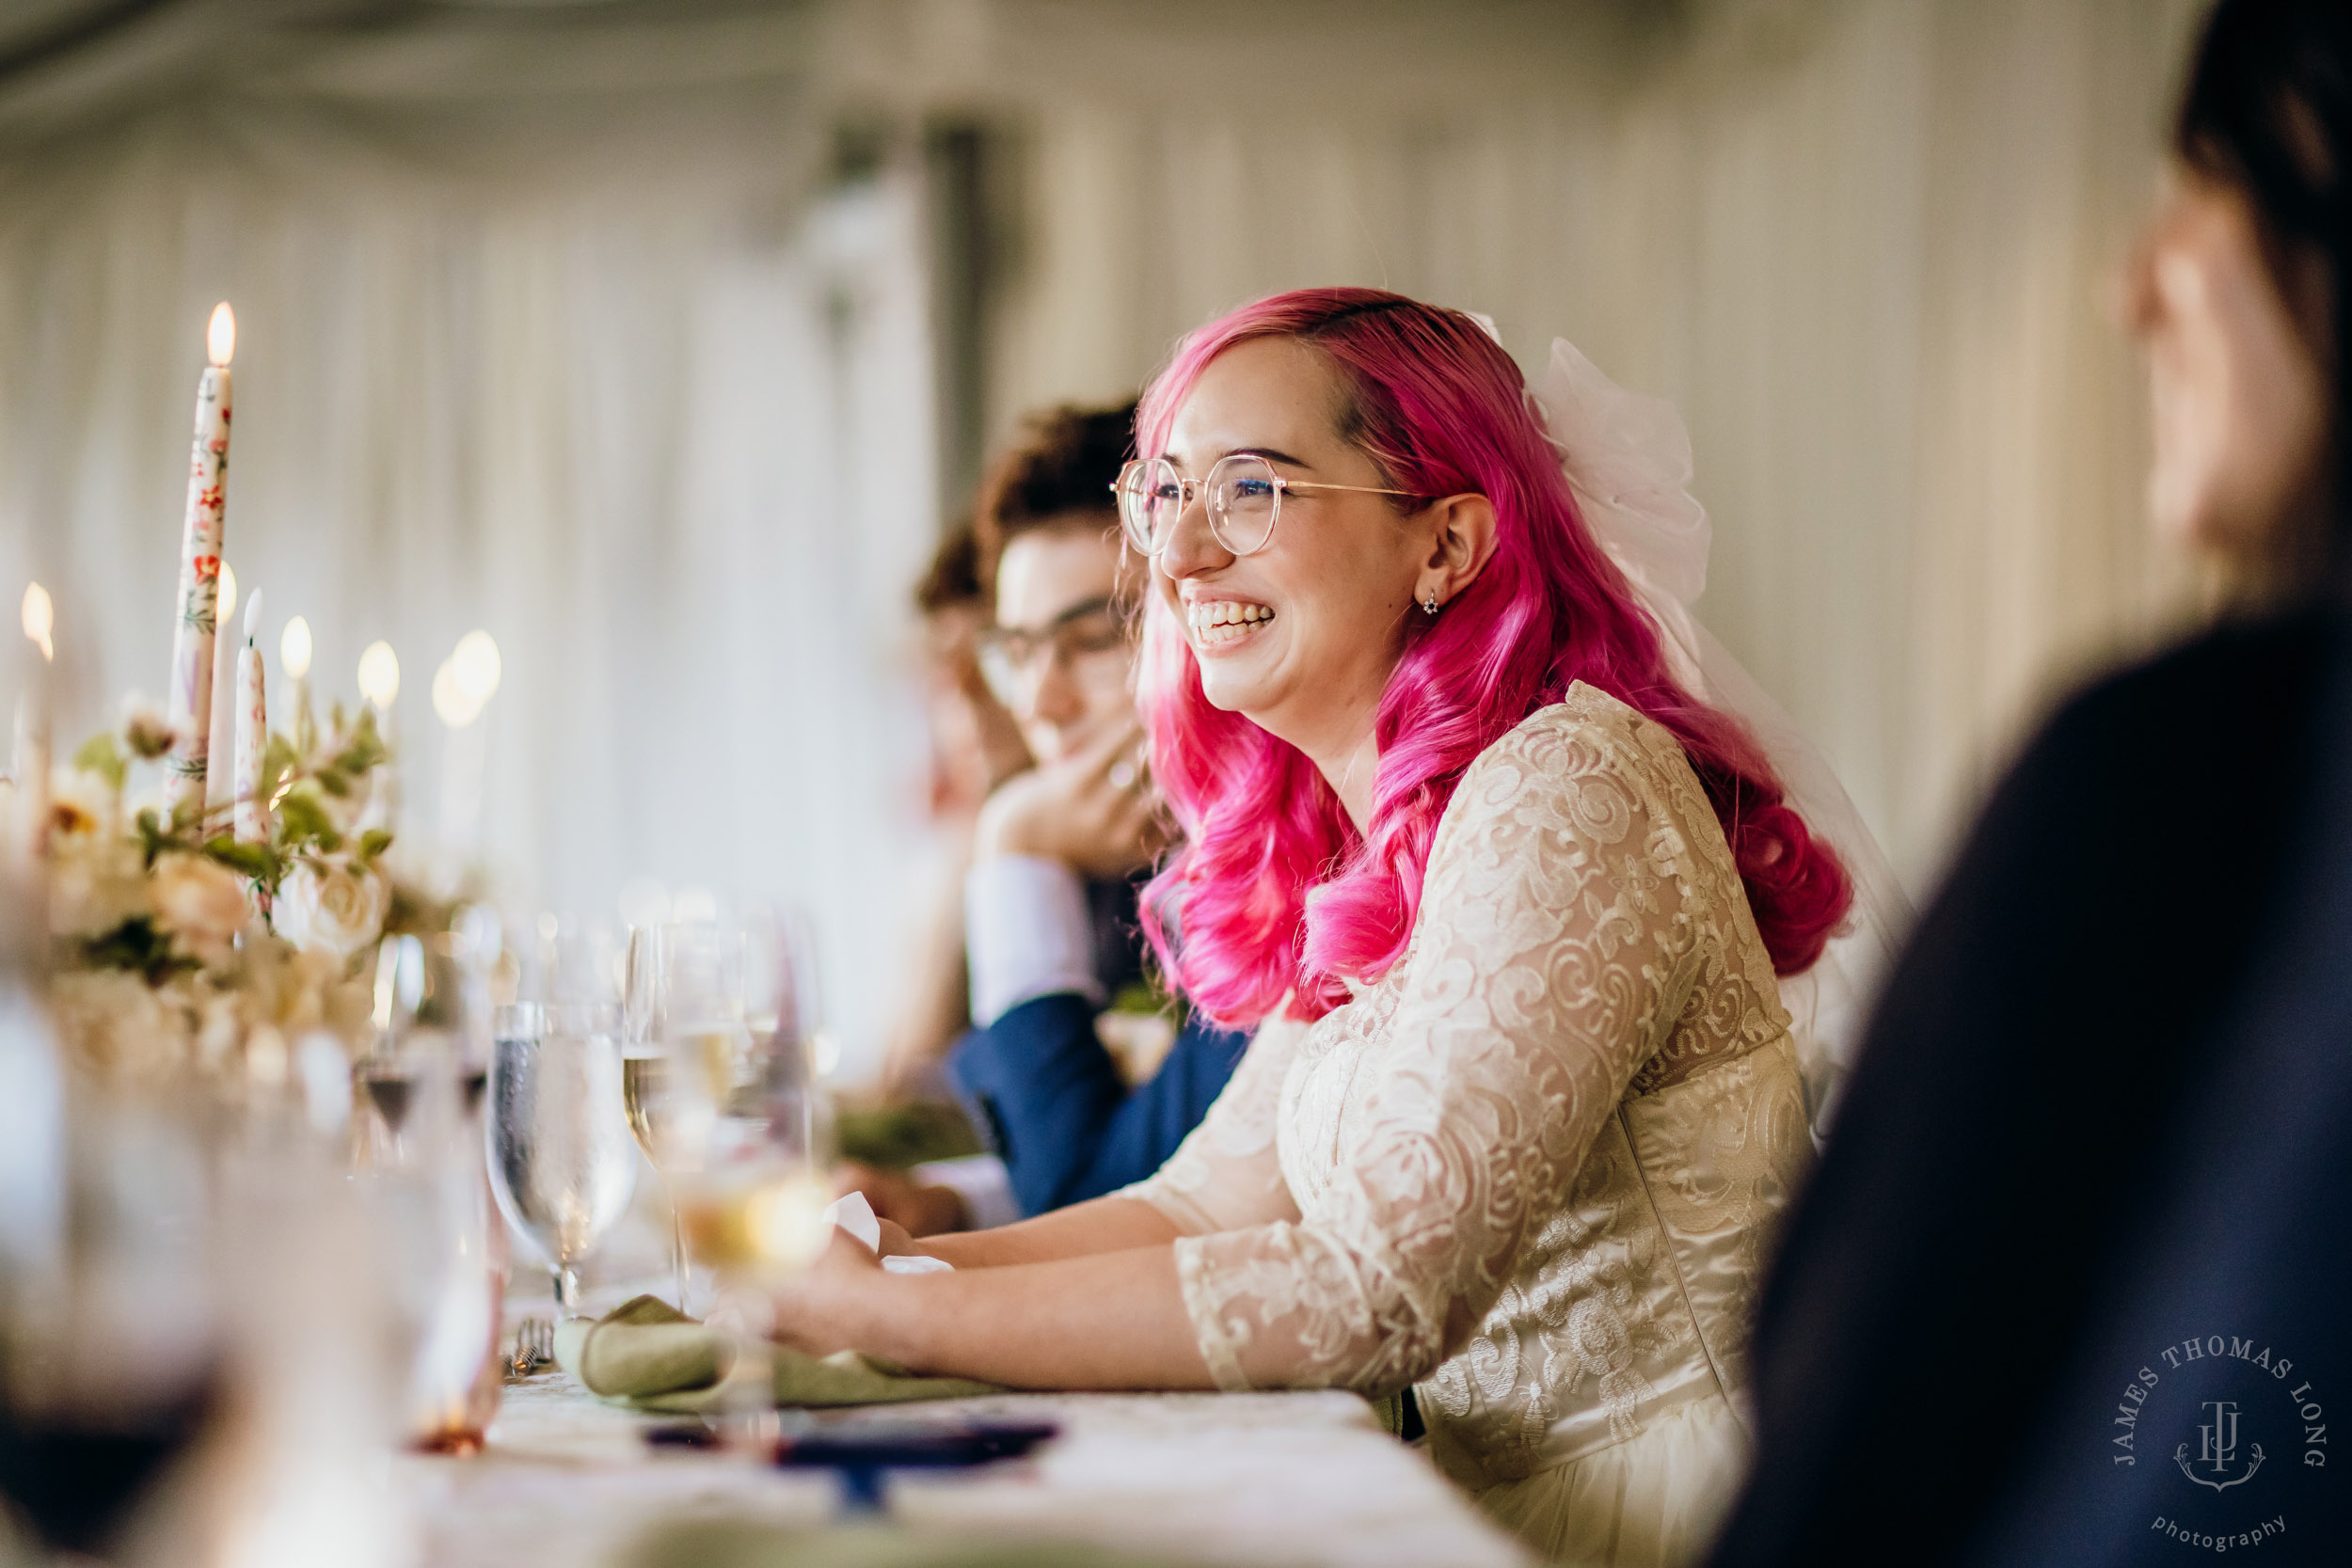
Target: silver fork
<point>535,1346</point>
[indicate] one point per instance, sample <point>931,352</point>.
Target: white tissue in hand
<point>853,1213</point>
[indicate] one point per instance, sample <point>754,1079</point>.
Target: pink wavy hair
<point>1442,410</point>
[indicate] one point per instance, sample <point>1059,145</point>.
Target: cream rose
<point>199,901</point>
<point>95,884</point>
<point>115,1024</point>
<point>336,910</point>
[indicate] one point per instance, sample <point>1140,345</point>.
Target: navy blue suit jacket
<point>1064,1121</point>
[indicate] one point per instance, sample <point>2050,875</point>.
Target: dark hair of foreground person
<point>2081,1240</point>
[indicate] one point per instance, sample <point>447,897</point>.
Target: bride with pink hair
<point>1509,906</point>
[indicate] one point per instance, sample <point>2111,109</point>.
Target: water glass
<point>562,1161</point>
<point>446,1258</point>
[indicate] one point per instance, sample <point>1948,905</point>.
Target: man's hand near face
<point>1094,811</point>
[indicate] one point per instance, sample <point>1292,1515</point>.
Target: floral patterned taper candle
<point>252,812</point>
<point>191,696</point>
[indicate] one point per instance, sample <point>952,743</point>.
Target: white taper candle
<point>252,739</point>
<point>191,694</point>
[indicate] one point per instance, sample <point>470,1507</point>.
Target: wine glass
<point>386,1075</point>
<point>111,1332</point>
<point>561,1161</point>
<point>433,1226</point>
<point>780,1009</point>
<point>689,1051</point>
<point>751,1196</point>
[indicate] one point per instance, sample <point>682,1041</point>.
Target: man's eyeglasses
<point>1085,632</point>
<point>1244,495</point>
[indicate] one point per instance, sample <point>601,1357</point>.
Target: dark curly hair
<point>953,577</point>
<point>1064,466</point>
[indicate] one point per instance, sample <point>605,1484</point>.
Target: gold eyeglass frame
<point>1188,489</point>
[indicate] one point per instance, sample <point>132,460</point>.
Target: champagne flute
<point>689,1051</point>
<point>753,1197</point>
<point>560,1158</point>
<point>751,1202</point>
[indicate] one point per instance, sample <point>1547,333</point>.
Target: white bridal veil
<point>1628,459</point>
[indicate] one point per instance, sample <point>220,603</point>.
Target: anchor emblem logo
<point>2217,1449</point>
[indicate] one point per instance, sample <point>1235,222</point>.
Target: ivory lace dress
<point>1533,1169</point>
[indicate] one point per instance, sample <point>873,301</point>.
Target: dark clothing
<point>2105,1106</point>
<point>1050,1098</point>
<point>1065,1123</point>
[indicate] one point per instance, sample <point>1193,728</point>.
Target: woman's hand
<point>830,1305</point>
<point>1094,811</point>
<point>899,1200</point>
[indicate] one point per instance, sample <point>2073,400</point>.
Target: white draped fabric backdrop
<point>566,323</point>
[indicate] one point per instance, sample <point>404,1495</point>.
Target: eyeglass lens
<point>1241,494</point>
<point>1009,657</point>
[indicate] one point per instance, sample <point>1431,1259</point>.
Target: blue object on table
<point>862,1455</point>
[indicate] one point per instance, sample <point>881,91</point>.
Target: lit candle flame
<point>227,606</point>
<point>379,674</point>
<point>220,336</point>
<point>293,648</point>
<point>40,619</point>
<point>253,617</point>
<point>478,666</point>
<point>451,702</point>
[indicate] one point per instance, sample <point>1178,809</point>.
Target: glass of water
<point>562,1161</point>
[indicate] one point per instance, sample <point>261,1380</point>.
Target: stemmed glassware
<point>385,1077</point>
<point>431,1224</point>
<point>689,1051</point>
<point>112,1347</point>
<point>722,1093</point>
<point>558,1133</point>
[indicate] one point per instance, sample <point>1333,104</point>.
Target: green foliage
<point>102,754</point>
<point>303,824</point>
<point>253,860</point>
<point>298,778</point>
<point>281,762</point>
<point>136,944</point>
<point>891,1137</point>
<point>361,750</point>
<point>153,840</point>
<point>1146,994</point>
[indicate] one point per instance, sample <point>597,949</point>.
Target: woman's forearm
<point>1083,1230</point>
<point>1114,1320</point>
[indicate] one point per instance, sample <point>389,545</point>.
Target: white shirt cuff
<point>983,1184</point>
<point>1027,934</point>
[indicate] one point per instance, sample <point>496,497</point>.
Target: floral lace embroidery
<point>1500,1164</point>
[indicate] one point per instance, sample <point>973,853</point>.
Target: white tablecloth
<point>1242,1478</point>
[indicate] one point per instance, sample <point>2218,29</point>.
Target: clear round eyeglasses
<point>1243,492</point>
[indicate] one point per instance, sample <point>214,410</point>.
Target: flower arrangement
<point>178,947</point>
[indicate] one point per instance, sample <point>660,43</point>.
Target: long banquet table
<point>569,1482</point>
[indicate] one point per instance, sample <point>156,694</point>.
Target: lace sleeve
<point>1226,1174</point>
<point>1551,952</point>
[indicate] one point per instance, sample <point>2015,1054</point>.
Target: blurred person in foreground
<point>1053,941</point>
<point>2069,1285</point>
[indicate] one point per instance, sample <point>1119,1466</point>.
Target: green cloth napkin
<point>647,1354</point>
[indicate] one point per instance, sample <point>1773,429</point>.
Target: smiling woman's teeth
<point>1223,622</point>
